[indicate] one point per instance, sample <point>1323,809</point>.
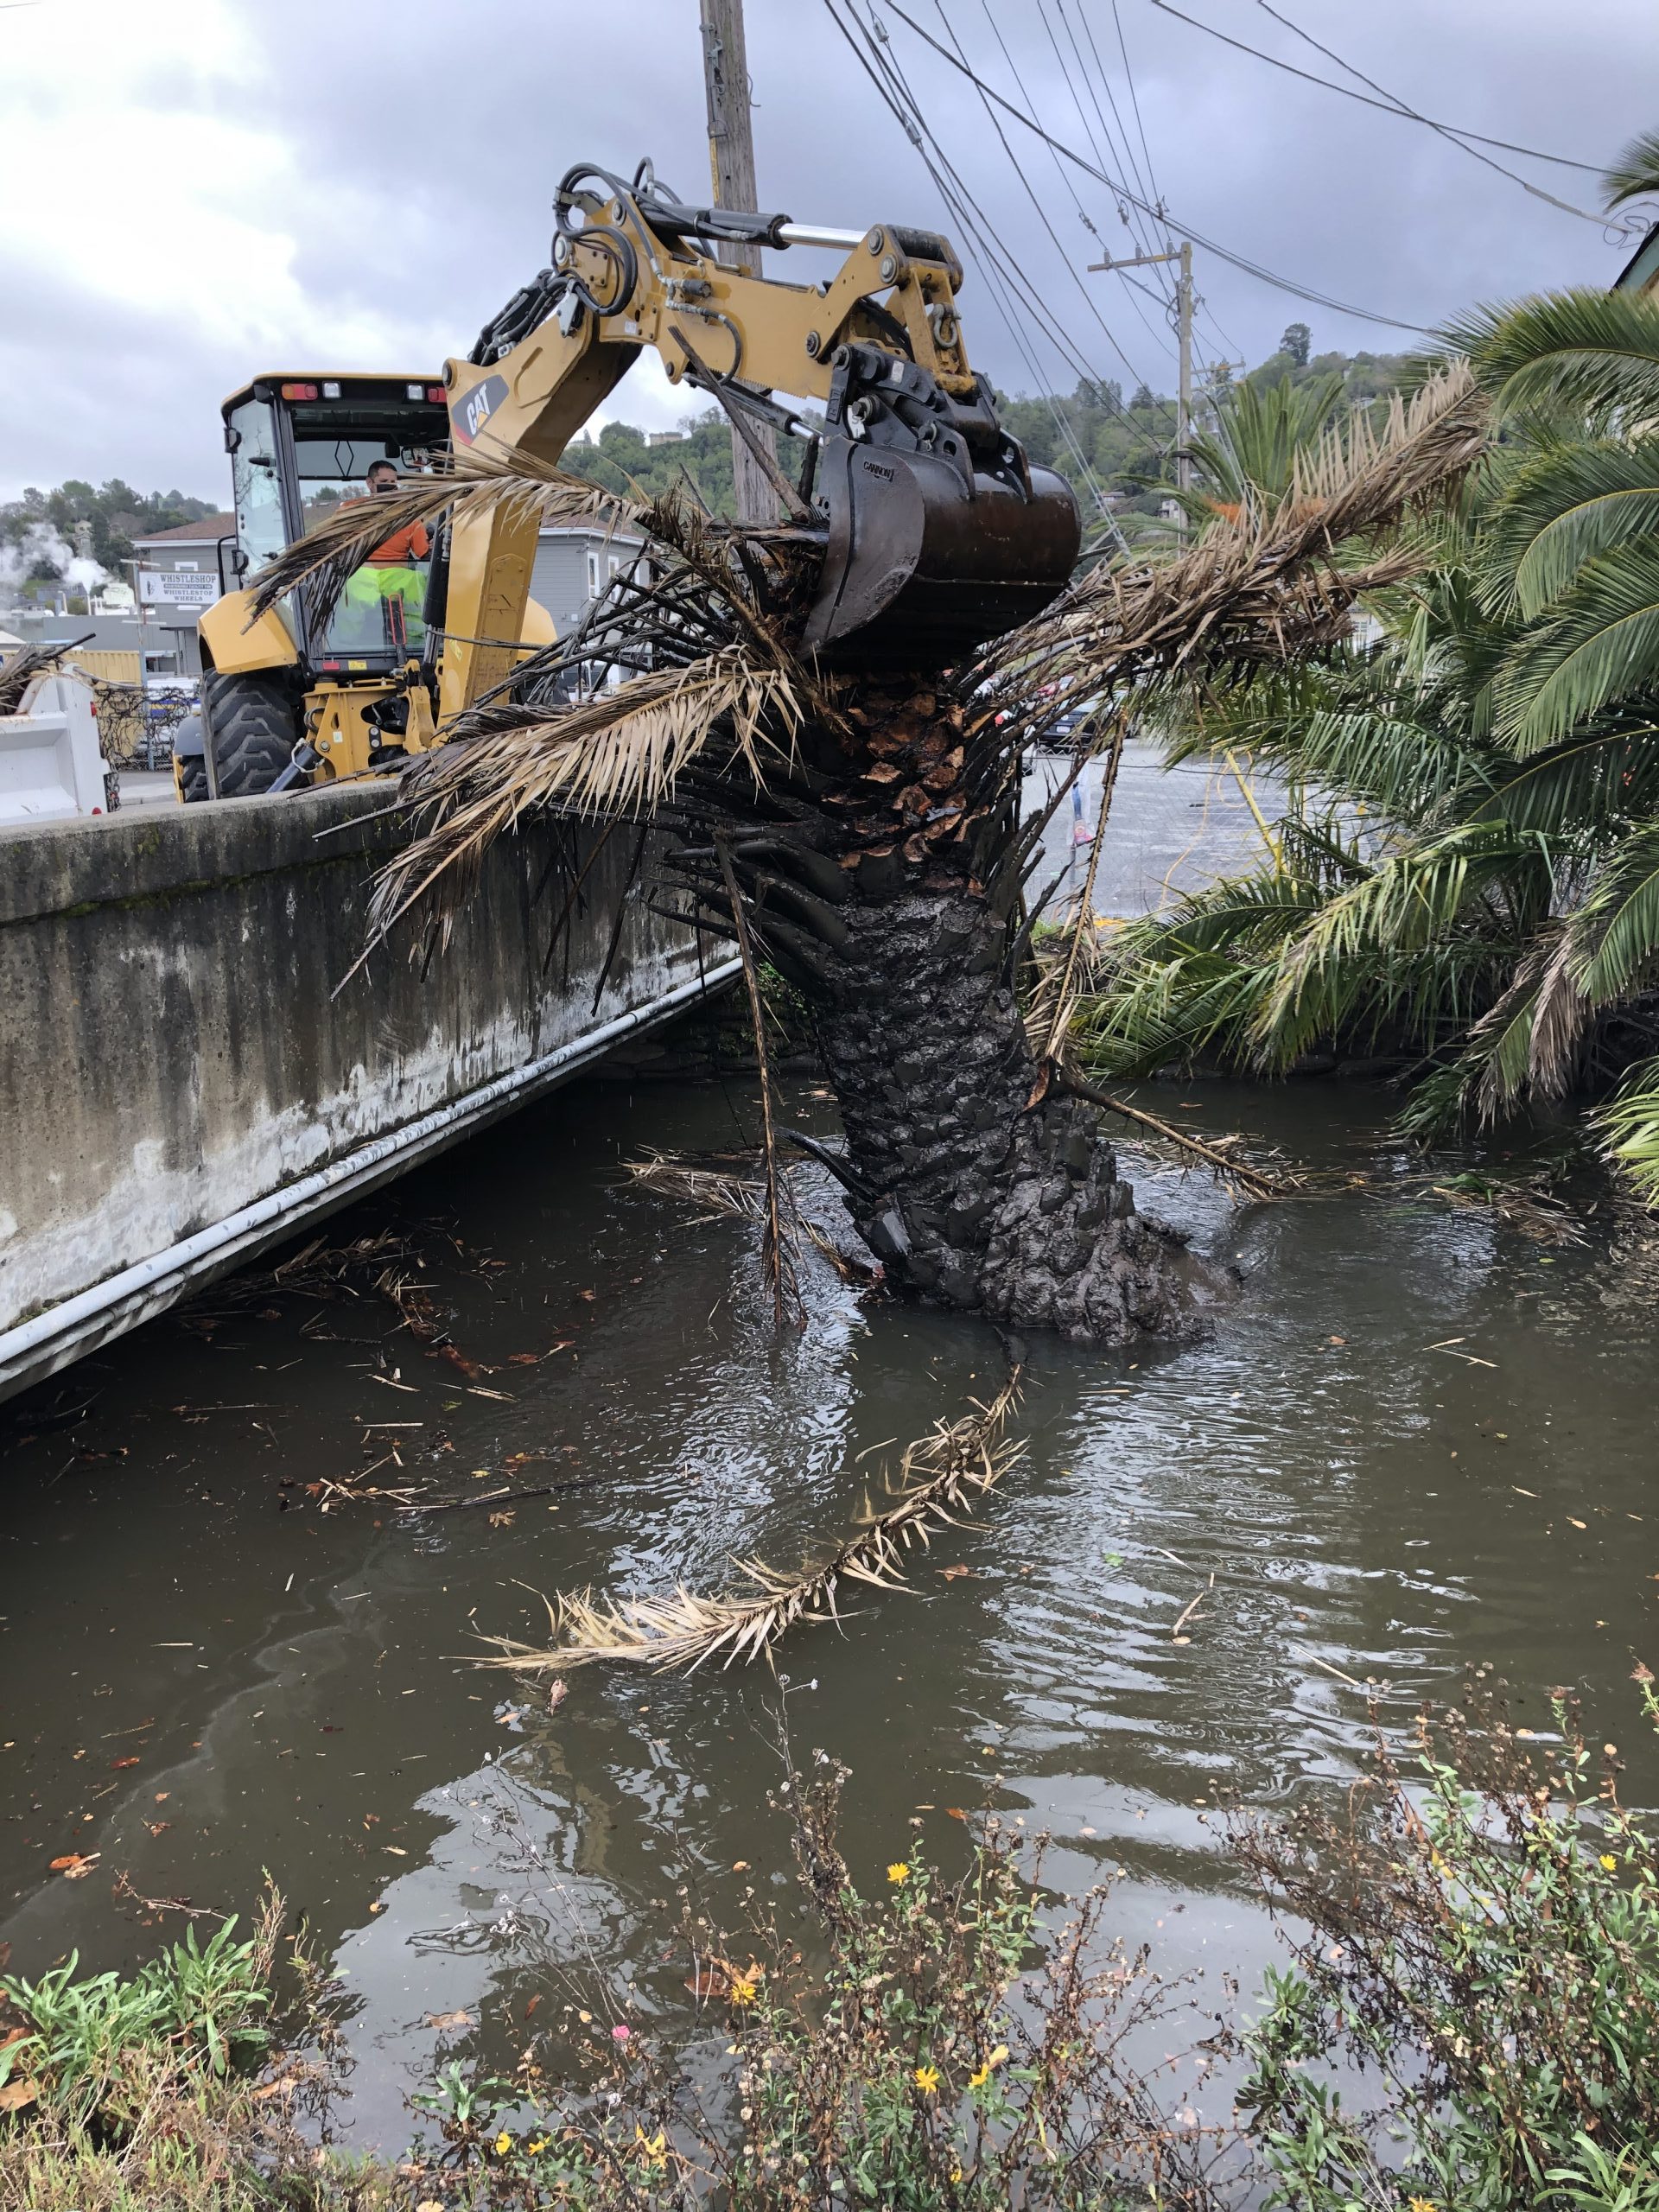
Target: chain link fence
<point>135,727</point>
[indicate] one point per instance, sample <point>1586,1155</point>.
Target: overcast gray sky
<point>188,195</point>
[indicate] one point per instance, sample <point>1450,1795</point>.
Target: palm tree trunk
<point>968,1195</point>
<point>881,885</point>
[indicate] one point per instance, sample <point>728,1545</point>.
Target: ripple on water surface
<point>1203,1555</point>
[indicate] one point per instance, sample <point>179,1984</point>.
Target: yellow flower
<point>742,1989</point>
<point>1610,1862</point>
<point>927,2079</point>
<point>653,2149</point>
<point>956,2173</point>
<point>1421,2204</point>
<point>537,2146</point>
<point>503,2144</point>
<point>899,1871</point>
<point>982,2075</point>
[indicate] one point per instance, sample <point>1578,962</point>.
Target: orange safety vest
<point>412,543</point>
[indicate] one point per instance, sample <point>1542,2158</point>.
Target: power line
<point>1453,138</point>
<point>1162,213</point>
<point>914,123</point>
<point>1135,99</point>
<point>1146,233</point>
<point>1139,229</point>
<point>1388,104</point>
<point>959,204</point>
<point>1031,190</point>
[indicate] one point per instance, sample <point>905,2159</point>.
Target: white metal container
<point>51,766</point>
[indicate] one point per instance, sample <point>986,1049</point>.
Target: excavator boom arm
<point>879,344</point>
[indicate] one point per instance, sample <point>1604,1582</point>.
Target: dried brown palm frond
<point>620,752</point>
<point>708,1190</point>
<point>19,671</point>
<point>721,1192</point>
<point>1059,976</point>
<point>1267,587</point>
<point>481,480</point>
<point>779,1220</point>
<point>941,1476</point>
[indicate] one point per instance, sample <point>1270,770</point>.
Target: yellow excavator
<point>938,532</point>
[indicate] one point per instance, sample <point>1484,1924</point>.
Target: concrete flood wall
<point>180,1087</point>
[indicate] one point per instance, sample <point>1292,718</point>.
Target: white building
<point>178,578</point>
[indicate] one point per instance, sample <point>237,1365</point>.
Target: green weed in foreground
<point>204,2000</point>
<point>1470,2023</point>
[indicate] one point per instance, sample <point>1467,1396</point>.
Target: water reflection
<point>1205,1558</point>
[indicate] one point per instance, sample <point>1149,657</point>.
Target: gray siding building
<point>574,566</point>
<point>178,577</point>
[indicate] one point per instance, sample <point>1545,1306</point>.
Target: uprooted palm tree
<point>866,832</point>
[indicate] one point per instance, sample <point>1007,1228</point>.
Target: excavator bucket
<point>925,563</point>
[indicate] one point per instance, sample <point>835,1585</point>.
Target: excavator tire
<point>193,781</point>
<point>252,722</point>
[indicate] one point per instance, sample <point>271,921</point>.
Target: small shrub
<point>940,2055</point>
<point>1479,1943</point>
<point>142,2094</point>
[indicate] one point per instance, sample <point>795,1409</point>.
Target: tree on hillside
<point>116,512</point>
<point>1297,341</point>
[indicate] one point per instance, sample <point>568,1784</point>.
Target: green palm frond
<point>1570,504</point>
<point>1495,1058</point>
<point>1157,1013</point>
<point>1249,461</point>
<point>1576,790</point>
<point>1629,1127</point>
<point>1634,173</point>
<point>1416,893</point>
<point>1615,931</point>
<point>1599,647</point>
<point>1593,352</point>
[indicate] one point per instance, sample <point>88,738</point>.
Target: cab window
<point>256,487</point>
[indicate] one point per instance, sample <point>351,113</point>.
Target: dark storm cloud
<point>423,143</point>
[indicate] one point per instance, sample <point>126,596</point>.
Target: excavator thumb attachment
<point>940,534</point>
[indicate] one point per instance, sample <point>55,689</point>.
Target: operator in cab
<point>384,602</point>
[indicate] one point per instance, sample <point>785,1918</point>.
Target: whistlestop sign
<point>195,588</point>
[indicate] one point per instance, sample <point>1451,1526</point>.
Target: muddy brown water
<point>206,1675</point>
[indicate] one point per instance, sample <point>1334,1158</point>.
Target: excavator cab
<point>352,687</point>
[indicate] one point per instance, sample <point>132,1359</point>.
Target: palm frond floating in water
<point>941,1476</point>
<point>705,1190</point>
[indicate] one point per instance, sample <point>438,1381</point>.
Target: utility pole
<point>1183,254</point>
<point>1184,331</point>
<point>731,160</point>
